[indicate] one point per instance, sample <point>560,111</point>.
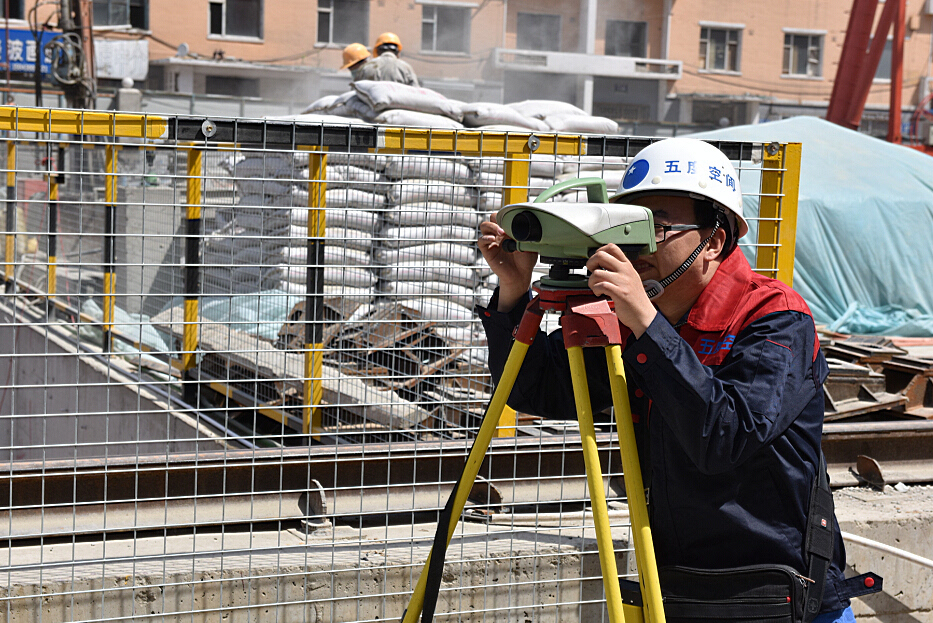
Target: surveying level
<point>565,235</point>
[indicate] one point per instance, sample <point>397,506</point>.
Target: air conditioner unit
<point>928,7</point>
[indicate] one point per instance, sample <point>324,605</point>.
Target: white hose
<point>551,519</point>
<point>860,540</point>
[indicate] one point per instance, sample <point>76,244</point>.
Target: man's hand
<point>614,276</point>
<point>513,269</point>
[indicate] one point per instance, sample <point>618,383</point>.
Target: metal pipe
<point>894,551</point>
<point>897,74</point>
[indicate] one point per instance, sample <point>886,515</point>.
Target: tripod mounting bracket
<point>586,320</point>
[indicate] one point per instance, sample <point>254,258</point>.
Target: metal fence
<point>241,370</point>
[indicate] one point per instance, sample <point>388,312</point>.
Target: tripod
<point>586,321</point>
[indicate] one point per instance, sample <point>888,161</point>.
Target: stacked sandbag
<point>400,104</point>
<point>565,118</point>
<point>395,104</point>
<point>261,243</point>
<point>610,168</point>
<point>237,259</point>
<point>348,104</point>
<point>489,174</point>
<point>427,249</point>
<point>245,251</point>
<point>354,200</point>
<point>481,114</point>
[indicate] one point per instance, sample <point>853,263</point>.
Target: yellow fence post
<point>55,166</point>
<point>192,270</point>
<point>312,421</point>
<point>777,227</point>
<point>10,258</point>
<point>514,190</point>
<point>110,222</point>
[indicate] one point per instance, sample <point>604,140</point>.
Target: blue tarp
<point>864,257</point>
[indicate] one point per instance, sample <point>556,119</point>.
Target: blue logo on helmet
<point>635,174</point>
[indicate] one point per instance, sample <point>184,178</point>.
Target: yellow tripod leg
<point>594,478</point>
<point>635,490</point>
<point>478,452</point>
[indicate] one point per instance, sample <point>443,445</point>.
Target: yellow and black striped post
<point>110,243</point>
<point>314,297</point>
<point>55,179</point>
<point>192,272</point>
<point>10,258</point>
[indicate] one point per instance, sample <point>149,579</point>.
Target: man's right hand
<point>513,269</point>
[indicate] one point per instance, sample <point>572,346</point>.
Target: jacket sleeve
<point>543,386</point>
<point>721,416</point>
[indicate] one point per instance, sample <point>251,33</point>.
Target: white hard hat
<point>684,166</point>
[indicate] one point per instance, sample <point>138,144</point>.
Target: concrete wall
<point>59,405</point>
<point>335,575</point>
<point>342,574</point>
<point>901,519</point>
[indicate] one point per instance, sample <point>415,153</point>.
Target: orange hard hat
<point>388,38</point>
<point>353,54</point>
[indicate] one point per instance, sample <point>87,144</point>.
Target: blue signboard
<point>22,51</point>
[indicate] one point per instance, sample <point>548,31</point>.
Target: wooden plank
<point>367,401</point>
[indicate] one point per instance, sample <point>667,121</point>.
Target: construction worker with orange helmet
<point>386,64</point>
<point>355,56</point>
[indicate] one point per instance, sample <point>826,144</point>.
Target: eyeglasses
<point>661,231</point>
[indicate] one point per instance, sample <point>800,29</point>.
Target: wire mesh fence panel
<point>242,371</point>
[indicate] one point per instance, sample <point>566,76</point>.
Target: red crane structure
<point>859,62</point>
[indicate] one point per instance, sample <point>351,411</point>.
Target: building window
<point>626,38</point>
<point>719,49</point>
<point>229,85</point>
<point>803,55</point>
<point>445,29</point>
<point>16,9</point>
<point>884,64</point>
<point>719,114</point>
<point>133,13</point>
<point>538,31</point>
<point>236,18</point>
<point>343,21</point>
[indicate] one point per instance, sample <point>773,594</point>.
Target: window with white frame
<point>538,31</point>
<point>133,13</point>
<point>720,48</point>
<point>236,18</point>
<point>340,22</point>
<point>803,54</point>
<point>626,38</point>
<point>884,65</point>
<point>445,28</point>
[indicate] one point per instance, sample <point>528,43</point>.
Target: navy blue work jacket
<point>728,412</point>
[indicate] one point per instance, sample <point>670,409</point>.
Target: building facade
<point>704,62</point>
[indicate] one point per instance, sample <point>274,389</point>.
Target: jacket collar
<point>716,305</point>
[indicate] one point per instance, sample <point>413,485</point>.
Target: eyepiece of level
<point>526,227</point>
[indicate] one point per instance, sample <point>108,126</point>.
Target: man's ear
<point>716,246</point>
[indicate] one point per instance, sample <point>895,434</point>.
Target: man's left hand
<point>614,276</point>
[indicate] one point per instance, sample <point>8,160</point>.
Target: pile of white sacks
<point>398,228</point>
<point>391,103</point>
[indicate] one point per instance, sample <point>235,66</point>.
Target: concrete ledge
<point>335,574</point>
<point>900,519</point>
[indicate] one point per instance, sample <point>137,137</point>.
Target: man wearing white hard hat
<point>724,372</point>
